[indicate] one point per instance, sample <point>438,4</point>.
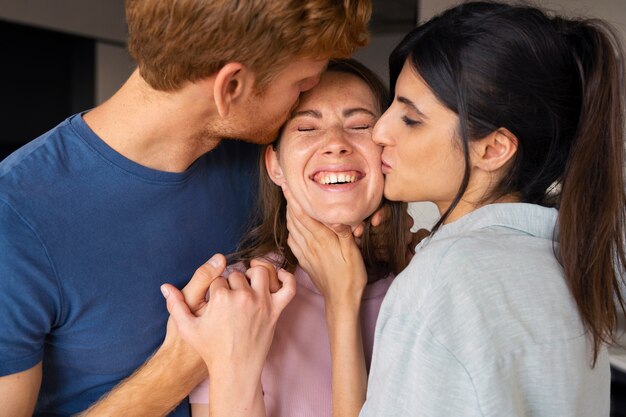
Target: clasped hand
<point>233,331</point>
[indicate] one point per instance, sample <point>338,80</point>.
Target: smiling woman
<point>326,157</point>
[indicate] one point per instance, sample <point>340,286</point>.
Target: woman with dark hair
<point>511,121</point>
<point>326,155</point>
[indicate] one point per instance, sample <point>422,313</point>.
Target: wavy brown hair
<point>383,249</point>
<point>175,41</point>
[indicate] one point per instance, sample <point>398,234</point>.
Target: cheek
<point>370,151</point>
<point>294,158</point>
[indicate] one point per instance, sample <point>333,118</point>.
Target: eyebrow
<point>311,113</point>
<point>346,113</point>
<point>356,110</point>
<point>412,105</point>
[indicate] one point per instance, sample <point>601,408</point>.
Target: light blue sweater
<point>481,323</point>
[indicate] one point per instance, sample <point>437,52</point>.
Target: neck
<point>466,206</point>
<point>166,131</point>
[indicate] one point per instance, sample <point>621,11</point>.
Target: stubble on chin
<point>254,129</point>
<point>204,141</point>
<point>260,133</point>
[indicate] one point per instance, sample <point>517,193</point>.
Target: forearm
<point>18,392</point>
<point>154,389</point>
<point>349,376</point>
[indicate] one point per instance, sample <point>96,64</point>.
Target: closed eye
<point>410,122</point>
<point>361,127</point>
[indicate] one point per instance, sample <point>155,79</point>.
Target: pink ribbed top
<point>297,375</point>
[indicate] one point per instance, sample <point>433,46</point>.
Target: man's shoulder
<point>36,180</point>
<point>41,154</point>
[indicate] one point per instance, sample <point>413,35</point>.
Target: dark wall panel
<point>45,76</point>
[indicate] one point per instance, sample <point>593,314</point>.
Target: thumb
<point>344,234</point>
<point>285,294</point>
<point>178,309</point>
<point>271,270</point>
<point>196,289</point>
<point>341,230</point>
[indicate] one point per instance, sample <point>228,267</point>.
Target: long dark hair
<point>269,233</point>
<point>558,85</point>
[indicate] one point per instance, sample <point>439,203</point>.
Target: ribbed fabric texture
<point>297,375</point>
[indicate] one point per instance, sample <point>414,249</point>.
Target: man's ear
<point>494,150</point>
<point>273,166</point>
<point>232,82</point>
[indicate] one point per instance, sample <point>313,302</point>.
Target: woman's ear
<point>232,82</point>
<point>494,150</point>
<point>272,166</point>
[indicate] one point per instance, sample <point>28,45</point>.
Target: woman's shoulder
<point>469,267</point>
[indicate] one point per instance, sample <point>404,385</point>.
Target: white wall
<point>376,54</point>
<point>613,11</point>
<point>113,66</point>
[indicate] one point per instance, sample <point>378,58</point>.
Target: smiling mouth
<point>337,177</point>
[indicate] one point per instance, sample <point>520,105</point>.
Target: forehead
<point>338,89</point>
<point>412,86</point>
<point>410,81</point>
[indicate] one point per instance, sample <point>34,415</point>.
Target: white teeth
<point>335,178</point>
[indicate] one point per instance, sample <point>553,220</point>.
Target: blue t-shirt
<point>86,239</point>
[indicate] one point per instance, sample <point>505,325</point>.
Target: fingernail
<point>165,291</point>
<point>215,261</point>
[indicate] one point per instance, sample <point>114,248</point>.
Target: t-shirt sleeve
<point>29,294</point>
<point>200,394</point>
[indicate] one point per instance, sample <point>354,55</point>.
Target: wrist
<point>343,312</point>
<point>156,387</point>
<point>236,371</point>
<point>236,398</point>
<point>181,360</point>
<point>349,301</point>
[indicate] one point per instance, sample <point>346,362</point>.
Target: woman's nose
<point>337,143</point>
<point>380,134</point>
